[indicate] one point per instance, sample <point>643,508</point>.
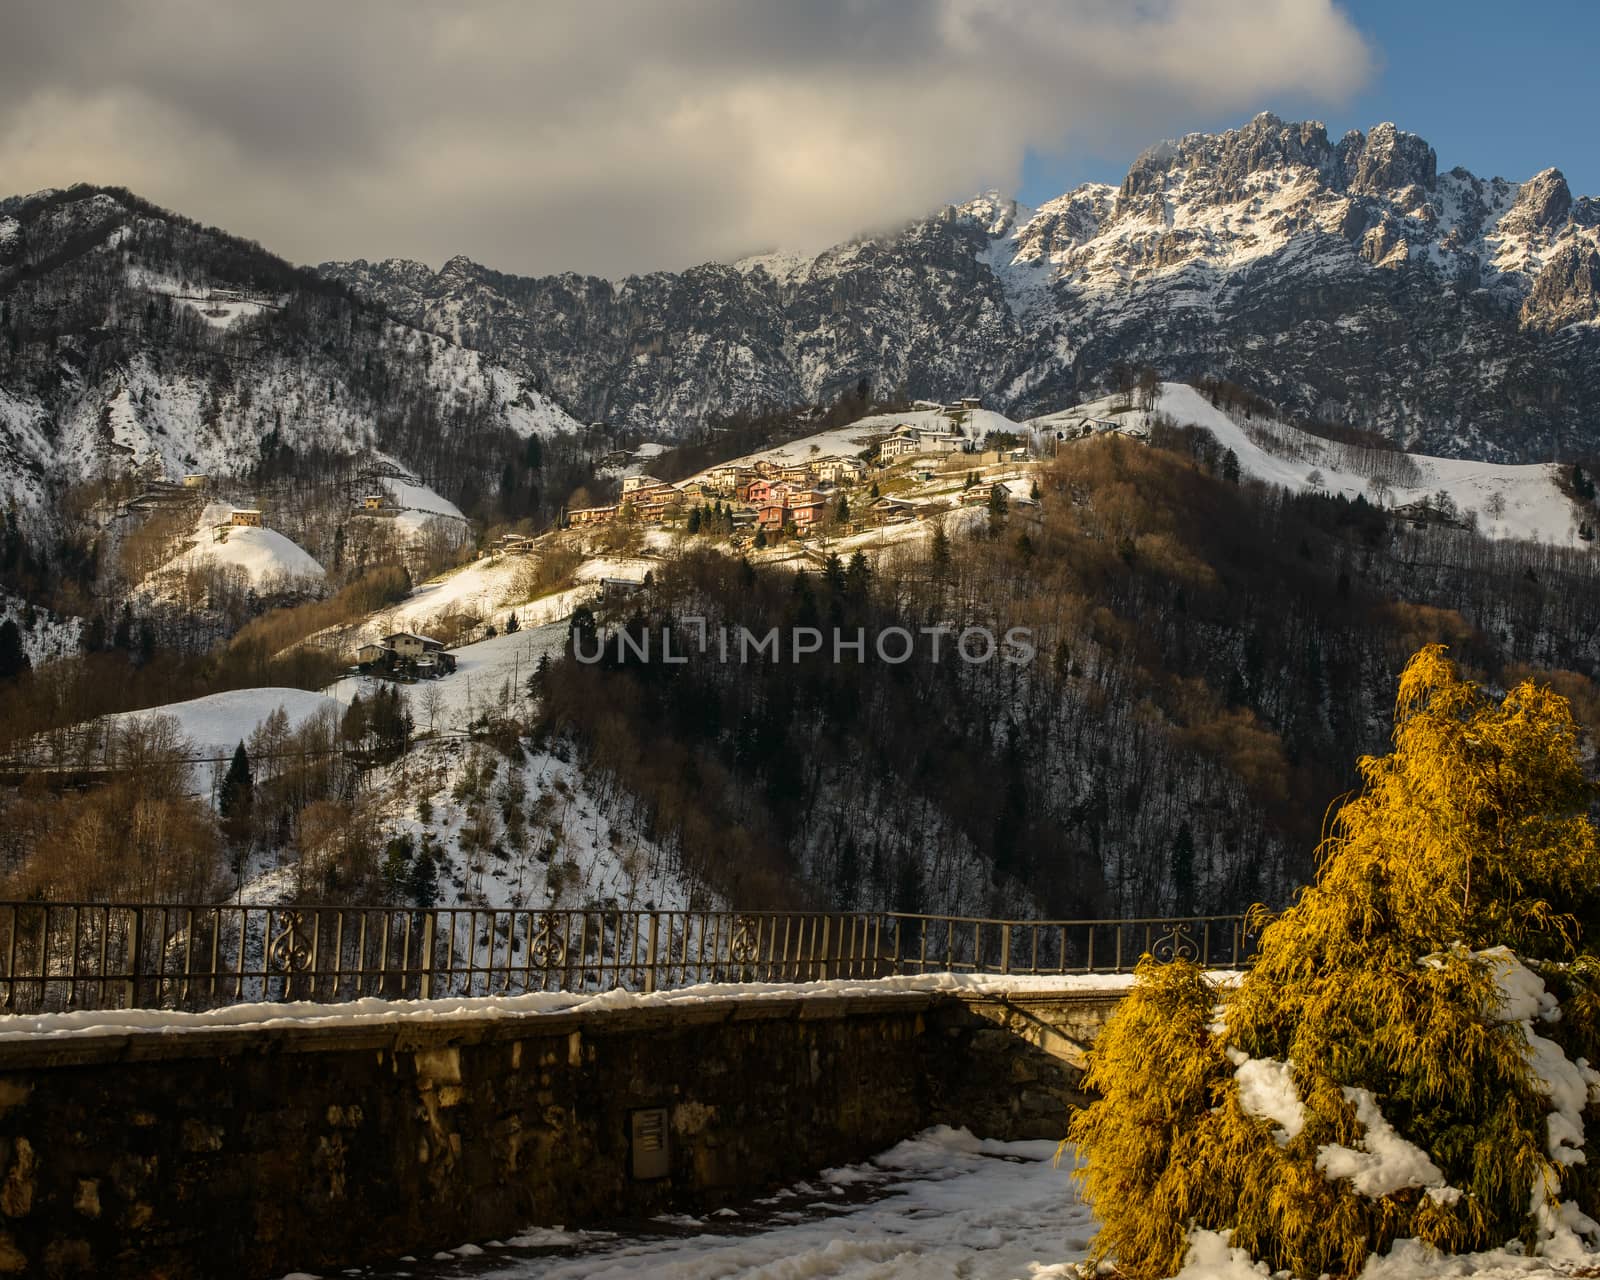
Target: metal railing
<point>78,955</point>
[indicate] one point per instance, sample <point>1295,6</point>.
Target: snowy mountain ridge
<point>1347,280</point>
<point>137,340</point>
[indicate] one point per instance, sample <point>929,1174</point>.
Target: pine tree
<point>512,624</point>
<point>1394,993</point>
<point>939,555</point>
<point>13,657</point>
<point>237,796</point>
<point>122,638</point>
<point>353,728</point>
<point>833,574</point>
<point>422,884</point>
<point>858,577</point>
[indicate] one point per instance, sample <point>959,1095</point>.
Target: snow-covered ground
<point>265,556</point>
<point>418,504</point>
<point>942,1204</point>
<point>370,1011</point>
<point>49,636</point>
<point>484,672</point>
<point>1509,501</point>
<point>850,440</point>
<point>485,589</point>
<point>219,721</point>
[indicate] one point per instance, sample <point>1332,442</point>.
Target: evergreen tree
<point>1388,1015</point>
<point>939,555</point>
<point>122,638</point>
<point>422,884</point>
<point>237,796</point>
<point>858,577</point>
<point>512,624</point>
<point>353,728</point>
<point>13,657</point>
<point>833,574</point>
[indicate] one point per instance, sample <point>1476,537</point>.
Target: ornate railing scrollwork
<point>1178,943</point>
<point>290,950</point>
<point>548,949</point>
<point>745,944</point>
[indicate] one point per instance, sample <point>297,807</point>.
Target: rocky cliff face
<point>1348,280</point>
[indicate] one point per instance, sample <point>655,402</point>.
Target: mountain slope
<point>130,337</point>
<point>1347,280</point>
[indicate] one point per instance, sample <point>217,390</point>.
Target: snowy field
<point>943,1205</point>
<point>1509,501</point>
<point>850,440</point>
<point>265,556</point>
<point>219,721</point>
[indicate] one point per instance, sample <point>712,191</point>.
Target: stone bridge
<point>245,1143</point>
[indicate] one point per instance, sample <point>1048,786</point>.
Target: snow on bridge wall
<point>253,1149</point>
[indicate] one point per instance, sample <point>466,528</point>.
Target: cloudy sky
<point>612,137</point>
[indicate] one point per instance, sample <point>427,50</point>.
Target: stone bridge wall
<point>257,1151</point>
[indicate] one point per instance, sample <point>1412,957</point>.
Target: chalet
<point>408,644</point>
<point>839,470</point>
<point>373,501</point>
<point>728,479</point>
<point>757,492</point>
<point>405,653</point>
<point>767,469</point>
<point>932,405</point>
<point>978,493</point>
<point>899,445</point>
<point>1422,514</point>
<point>806,508</point>
<point>971,402</point>
<point>245,518</point>
<point>943,442</point>
<point>579,516</point>
<point>514,543</point>
<point>652,505</point>
<point>196,480</point>
<point>771,515</point>
<point>800,475</point>
<point>633,485</point>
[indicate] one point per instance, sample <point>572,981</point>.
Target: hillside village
<point>464,648</point>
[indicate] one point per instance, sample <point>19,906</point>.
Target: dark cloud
<point>611,137</point>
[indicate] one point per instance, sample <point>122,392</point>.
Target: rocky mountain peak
<point>1543,204</point>
<point>1344,279</point>
<point>1386,159</point>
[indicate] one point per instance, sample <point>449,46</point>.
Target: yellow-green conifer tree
<point>1395,1062</point>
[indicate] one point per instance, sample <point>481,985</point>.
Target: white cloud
<point>612,137</point>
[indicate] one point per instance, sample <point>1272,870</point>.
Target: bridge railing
<point>81,955</point>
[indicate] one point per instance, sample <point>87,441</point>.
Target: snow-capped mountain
<point>134,338</point>
<point>1345,280</point>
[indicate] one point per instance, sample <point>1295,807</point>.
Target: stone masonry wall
<point>252,1152</point>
